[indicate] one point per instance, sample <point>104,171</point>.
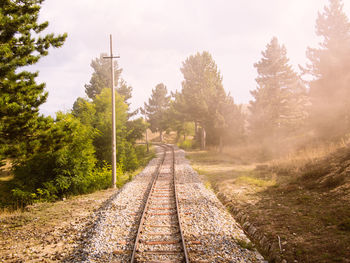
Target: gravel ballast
<point>210,232</point>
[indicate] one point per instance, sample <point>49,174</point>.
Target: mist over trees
<point>330,67</point>
<point>71,153</point>
<point>204,101</point>
<point>286,111</point>
<point>279,107</point>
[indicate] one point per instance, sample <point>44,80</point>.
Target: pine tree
<point>156,109</point>
<point>279,100</point>
<point>330,67</point>
<point>201,94</point>
<point>101,77</point>
<point>231,129</point>
<point>21,45</point>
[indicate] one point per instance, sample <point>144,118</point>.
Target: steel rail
<point>140,228</point>
<point>145,208</point>
<point>177,207</point>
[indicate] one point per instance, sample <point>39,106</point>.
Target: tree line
<point>70,153</point>
<point>284,107</point>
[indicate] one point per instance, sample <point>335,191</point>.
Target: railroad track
<point>159,237</point>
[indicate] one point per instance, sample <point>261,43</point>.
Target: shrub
<point>64,157</point>
<point>185,144</point>
<point>142,155</point>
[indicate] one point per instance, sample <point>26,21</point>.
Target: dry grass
<point>167,137</point>
<point>304,197</point>
<point>47,232</point>
<point>310,154</point>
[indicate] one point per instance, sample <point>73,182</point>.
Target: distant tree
<point>231,126</point>
<point>202,96</point>
<point>280,98</point>
<point>178,121</point>
<point>156,109</point>
<point>21,45</point>
<point>330,67</point>
<point>101,77</point>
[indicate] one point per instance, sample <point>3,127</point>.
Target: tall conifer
<point>330,67</point>
<point>279,100</point>
<point>156,109</point>
<point>21,44</point>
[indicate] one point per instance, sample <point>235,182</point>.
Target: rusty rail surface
<point>146,212</point>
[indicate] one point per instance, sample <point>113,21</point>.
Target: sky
<point>154,37</point>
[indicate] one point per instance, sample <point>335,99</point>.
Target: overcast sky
<point>154,37</point>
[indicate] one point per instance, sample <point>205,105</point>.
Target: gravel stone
<point>210,232</point>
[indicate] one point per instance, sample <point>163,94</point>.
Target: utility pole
<point>114,152</point>
<point>146,130</point>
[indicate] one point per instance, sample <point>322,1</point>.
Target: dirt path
<point>48,232</point>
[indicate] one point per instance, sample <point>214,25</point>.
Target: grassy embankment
<point>49,231</point>
<point>303,200</point>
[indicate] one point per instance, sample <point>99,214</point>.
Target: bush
<point>100,178</point>
<point>60,166</point>
<point>142,155</point>
<point>185,144</point>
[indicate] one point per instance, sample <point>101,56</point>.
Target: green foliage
<point>185,144</point>
<point>204,101</point>
<point>98,116</point>
<point>136,129</point>
<point>97,179</point>
<point>85,111</point>
<point>63,156</point>
<point>156,109</point>
<point>21,45</point>
<point>101,77</point>
<point>103,123</point>
<point>202,88</point>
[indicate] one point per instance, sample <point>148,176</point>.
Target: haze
<point>154,37</point>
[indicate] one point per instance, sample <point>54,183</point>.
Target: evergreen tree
<point>280,98</point>
<point>101,77</point>
<point>156,109</point>
<point>330,67</point>
<point>231,129</point>
<point>64,157</point>
<point>125,91</point>
<point>21,45</point>
<point>201,96</point>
